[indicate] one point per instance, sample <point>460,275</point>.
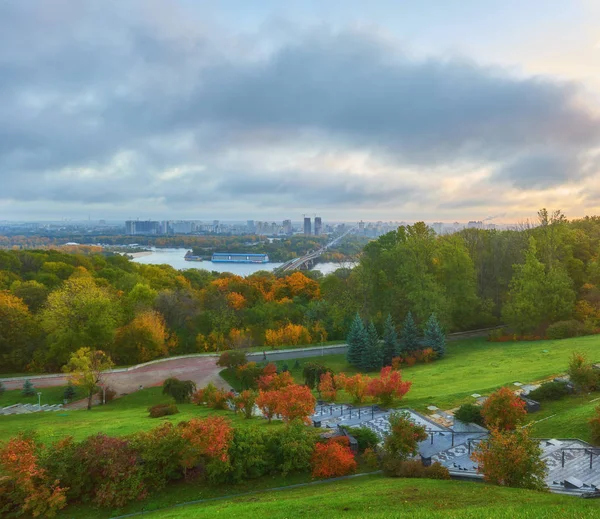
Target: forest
<point>539,281</point>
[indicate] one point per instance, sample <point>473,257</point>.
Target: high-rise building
<point>307,226</point>
<point>250,226</point>
<point>287,227</point>
<point>361,227</point>
<point>318,226</point>
<point>142,227</point>
<point>438,227</point>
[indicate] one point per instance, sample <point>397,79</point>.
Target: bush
<point>437,471</point>
<point>565,329</point>
<point>503,410</point>
<point>469,413</point>
<point>549,391</point>
<point>333,459</point>
<point>366,438</point>
<point>213,397</point>
<point>180,390</point>
<point>370,459</point>
<point>395,467</point>
<point>158,410</point>
<point>581,373</point>
<point>109,394</point>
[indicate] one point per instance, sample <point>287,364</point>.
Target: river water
<point>174,257</point>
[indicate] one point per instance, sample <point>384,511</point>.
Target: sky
<point>381,110</point>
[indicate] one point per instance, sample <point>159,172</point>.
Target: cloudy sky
<point>423,109</point>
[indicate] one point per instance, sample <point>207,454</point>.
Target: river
<point>174,257</point>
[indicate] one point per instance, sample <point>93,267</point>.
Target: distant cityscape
<point>307,226</point>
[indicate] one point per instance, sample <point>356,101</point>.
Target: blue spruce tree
<point>372,354</point>
<point>391,346</point>
<point>409,338</point>
<point>434,336</point>
<point>356,341</point>
<point>28,389</point>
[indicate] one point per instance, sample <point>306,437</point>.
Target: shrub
<point>511,458</point>
<point>582,375</point>
<point>595,425</point>
<point>426,355</point>
<point>399,468</point>
<point>70,392</point>
<point>159,453</point>
<point>110,474</point>
<point>549,391</point>
<point>180,390</point>
<point>397,362</point>
<point>370,458</point>
<point>366,438</point>
<point>109,394</point>
<point>245,401</point>
<point>232,359</point>
<point>333,459</point>
<point>410,361</point>
<point>469,413</point>
<point>158,410</point>
<point>437,471</point>
<point>565,329</point>
<point>206,440</point>
<point>213,397</point>
<point>292,448</point>
<point>25,486</point>
<point>503,410</point>
<point>249,455</point>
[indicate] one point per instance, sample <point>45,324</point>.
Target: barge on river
<point>229,257</point>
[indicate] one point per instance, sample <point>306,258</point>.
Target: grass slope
<point>50,395</point>
<point>123,416</point>
<point>478,366</point>
<point>378,497</point>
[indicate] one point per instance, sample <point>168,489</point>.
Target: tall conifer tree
<point>372,354</point>
<point>409,338</point>
<point>434,336</point>
<point>391,346</point>
<point>355,341</point>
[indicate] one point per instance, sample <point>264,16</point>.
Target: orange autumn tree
<point>512,459</point>
<point>327,387</point>
<point>333,458</point>
<point>143,339</point>
<point>206,440</point>
<point>388,387</point>
<point>287,335</point>
<point>24,486</point>
<point>503,410</point>
<point>236,300</point>
<point>295,402</point>
<point>356,386</point>
<point>275,381</point>
<point>267,402</point>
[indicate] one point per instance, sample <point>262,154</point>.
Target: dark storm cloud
<point>83,83</point>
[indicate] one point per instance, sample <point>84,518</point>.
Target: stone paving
<point>29,408</point>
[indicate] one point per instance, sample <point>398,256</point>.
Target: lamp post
<point>39,400</point>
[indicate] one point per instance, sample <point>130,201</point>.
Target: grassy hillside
<point>478,366</point>
<point>122,416</point>
<point>378,497</point>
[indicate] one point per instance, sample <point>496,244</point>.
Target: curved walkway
<point>201,368</point>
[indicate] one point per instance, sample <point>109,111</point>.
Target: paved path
<point>202,369</point>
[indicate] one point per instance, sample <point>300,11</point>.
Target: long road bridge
<point>307,261</point>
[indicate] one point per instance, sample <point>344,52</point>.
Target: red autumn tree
<point>327,387</point>
<point>207,439</point>
<point>511,458</point>
<point>333,458</point>
<point>25,486</point>
<point>503,410</point>
<point>276,381</point>
<point>267,402</point>
<point>270,369</point>
<point>388,387</point>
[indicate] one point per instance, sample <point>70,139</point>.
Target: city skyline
<point>419,111</point>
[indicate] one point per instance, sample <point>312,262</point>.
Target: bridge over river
<point>308,260</point>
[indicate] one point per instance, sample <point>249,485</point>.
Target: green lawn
<point>477,366</point>
<point>566,418</point>
<point>378,497</point>
<point>123,416</point>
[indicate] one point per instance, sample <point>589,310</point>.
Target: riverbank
<point>135,255</point>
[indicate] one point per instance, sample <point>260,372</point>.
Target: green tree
<point>391,346</point>
<point>537,297</point>
<point>356,341</point>
<point>434,336</point>
<point>69,392</point>
<point>372,355</point>
<point>87,368</point>
<point>79,313</point>
<point>28,389</point>
<point>404,436</point>
<point>409,337</point>
<point>180,390</point>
